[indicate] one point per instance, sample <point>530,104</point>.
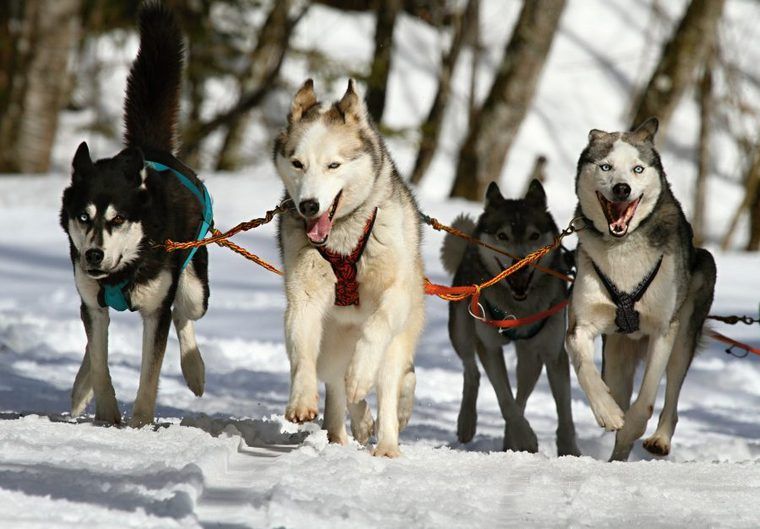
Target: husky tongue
<point>619,217</point>
<point>318,229</point>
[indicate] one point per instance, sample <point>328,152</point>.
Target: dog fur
<point>331,155</point>
<point>518,227</point>
<point>114,212</point>
<point>626,246</point>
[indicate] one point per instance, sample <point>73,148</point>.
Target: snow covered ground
<point>229,460</point>
<point>263,472</point>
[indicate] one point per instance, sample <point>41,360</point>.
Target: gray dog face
<point>619,178</point>
<point>517,227</point>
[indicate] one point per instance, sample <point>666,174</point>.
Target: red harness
<point>344,268</point>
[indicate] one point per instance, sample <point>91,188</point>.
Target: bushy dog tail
<point>152,103</point>
<point>453,248</point>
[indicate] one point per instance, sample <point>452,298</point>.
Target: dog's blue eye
<point>84,218</point>
<point>503,236</point>
<point>297,164</point>
<point>605,167</point>
<point>638,169</point>
<point>333,165</point>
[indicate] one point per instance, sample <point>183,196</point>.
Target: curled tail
<point>152,103</point>
<point>453,247</point>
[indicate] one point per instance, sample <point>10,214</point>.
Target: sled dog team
<point>354,273</point>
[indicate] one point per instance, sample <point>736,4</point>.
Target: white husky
<point>353,271</point>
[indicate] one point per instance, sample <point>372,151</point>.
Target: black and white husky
<point>641,284</point>
<point>517,227</point>
<point>115,212</point>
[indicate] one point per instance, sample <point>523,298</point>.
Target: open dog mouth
<point>618,214</point>
<point>318,229</point>
<point>519,281</point>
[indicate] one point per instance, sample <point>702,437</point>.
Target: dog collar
<point>344,267</point>
<point>116,296</point>
<point>526,332</point>
<point>626,316</point>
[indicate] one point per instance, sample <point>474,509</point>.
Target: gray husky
<point>353,270</point>
<point>641,284</point>
<point>517,227</point>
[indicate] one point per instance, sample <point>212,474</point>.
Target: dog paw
<point>107,413</point>
<point>387,450</point>
<point>194,371</point>
<point>658,445</point>
<point>339,438</point>
<point>302,409</point>
<point>567,446</point>
<point>466,427</point>
<point>139,420</point>
<point>359,382</point>
<point>364,427</point>
<point>520,437</point>
<point>607,413</point>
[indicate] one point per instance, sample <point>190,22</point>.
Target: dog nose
<point>93,256</point>
<point>309,207</point>
<point>621,191</point>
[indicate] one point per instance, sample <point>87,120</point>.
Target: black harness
<point>626,316</point>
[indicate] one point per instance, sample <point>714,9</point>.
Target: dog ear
<point>597,135</point>
<point>493,194</point>
<point>351,106</point>
<point>133,165</point>
<point>82,163</point>
<point>647,130</point>
<point>302,101</point>
<point>536,195</point>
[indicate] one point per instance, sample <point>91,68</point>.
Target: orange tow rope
<point>446,292</point>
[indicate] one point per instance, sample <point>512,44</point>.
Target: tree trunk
<point>703,156</point>
<point>51,31</point>
<point>431,129</point>
<point>386,12</point>
<point>681,56</point>
<point>491,134</point>
<point>266,57</point>
<point>751,201</point>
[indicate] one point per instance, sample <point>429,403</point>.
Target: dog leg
<point>660,348</point>
<point>82,392</point>
<point>406,399</point>
<point>362,423</point>
<point>303,324</point>
<point>389,382</point>
<point>621,356</point>
<point>96,321</point>
<point>558,373</point>
<point>191,361</point>
<point>529,366</point>
<point>380,328</point>
<point>189,305</point>
<point>580,344</point>
<point>518,435</point>
<point>155,332</point>
<point>462,335</point>
<point>335,411</point>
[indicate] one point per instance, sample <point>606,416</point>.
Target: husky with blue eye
<point>115,212</point>
<point>641,285</point>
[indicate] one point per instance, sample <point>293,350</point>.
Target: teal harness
<point>525,332</point>
<point>115,296</point>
